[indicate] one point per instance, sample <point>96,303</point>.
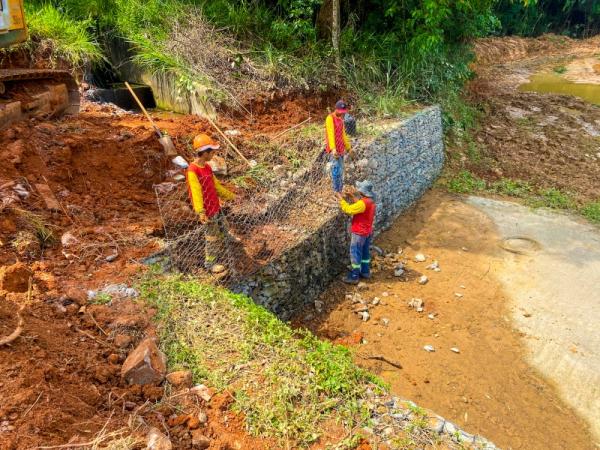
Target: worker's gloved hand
<point>335,153</point>
<point>202,217</point>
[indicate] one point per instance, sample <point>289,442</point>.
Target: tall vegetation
<point>388,51</point>
<point>577,18</point>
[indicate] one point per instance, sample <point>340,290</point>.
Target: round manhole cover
<point>522,245</point>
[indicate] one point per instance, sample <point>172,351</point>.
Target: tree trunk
<point>335,32</point>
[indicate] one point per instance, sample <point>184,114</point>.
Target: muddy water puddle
<point>550,83</point>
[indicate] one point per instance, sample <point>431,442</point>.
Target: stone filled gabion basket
<point>288,239</point>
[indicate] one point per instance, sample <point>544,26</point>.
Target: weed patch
<point>512,188</point>
<point>592,211</point>
<point>552,198</point>
<point>465,182</point>
<point>560,69</point>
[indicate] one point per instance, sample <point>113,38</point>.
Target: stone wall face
<point>402,159</point>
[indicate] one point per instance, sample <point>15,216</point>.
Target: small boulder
<point>417,304</point>
<point>420,257</point>
<point>199,440</point>
<point>144,365</point>
<point>180,378</point>
<point>202,391</point>
<point>155,440</point>
<point>15,278</point>
<point>423,279</point>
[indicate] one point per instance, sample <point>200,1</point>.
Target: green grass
<point>512,188</point>
<point>286,382</point>
<point>592,211</point>
<point>69,39</point>
<point>465,182</point>
<point>552,198</point>
<point>101,298</point>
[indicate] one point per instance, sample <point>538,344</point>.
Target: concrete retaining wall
<point>168,92</point>
<point>402,158</point>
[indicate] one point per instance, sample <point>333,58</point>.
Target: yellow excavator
<point>28,93</point>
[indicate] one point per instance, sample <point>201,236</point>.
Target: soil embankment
<point>61,377</point>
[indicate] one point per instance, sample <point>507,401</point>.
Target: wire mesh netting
<point>275,206</point>
<point>285,198</point>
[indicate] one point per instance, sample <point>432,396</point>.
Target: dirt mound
<point>550,141</point>
<point>61,376</point>
<point>496,50</point>
<point>547,140</point>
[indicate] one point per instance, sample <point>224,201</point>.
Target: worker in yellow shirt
<point>205,192</point>
<point>337,143</point>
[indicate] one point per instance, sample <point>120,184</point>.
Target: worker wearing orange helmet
<point>205,194</point>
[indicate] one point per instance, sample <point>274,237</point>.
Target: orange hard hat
<point>204,142</point>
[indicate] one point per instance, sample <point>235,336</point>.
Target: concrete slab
<point>551,270</point>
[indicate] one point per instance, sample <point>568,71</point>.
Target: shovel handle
<point>144,110</point>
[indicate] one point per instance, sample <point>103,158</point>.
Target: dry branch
<point>395,364</point>
<point>15,334</point>
<point>20,322</point>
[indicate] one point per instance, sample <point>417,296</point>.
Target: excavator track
<point>56,93</point>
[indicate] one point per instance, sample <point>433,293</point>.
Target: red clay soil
<point>60,379</point>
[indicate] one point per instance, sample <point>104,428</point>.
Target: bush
<point>69,39</point>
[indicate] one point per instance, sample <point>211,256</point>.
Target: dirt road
<point>490,387</point>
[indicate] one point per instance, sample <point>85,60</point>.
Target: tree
<point>335,32</point>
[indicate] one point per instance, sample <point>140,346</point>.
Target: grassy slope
<point>289,385</point>
<point>286,382</point>
<point>465,182</point>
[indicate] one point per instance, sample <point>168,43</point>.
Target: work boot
<point>365,271</point>
<point>352,277</point>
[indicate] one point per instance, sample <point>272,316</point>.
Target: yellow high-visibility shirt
<point>353,209</point>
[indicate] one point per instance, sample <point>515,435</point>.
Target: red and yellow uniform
<point>336,138</point>
<point>363,214</point>
<point>205,190</point>
<point>361,236</point>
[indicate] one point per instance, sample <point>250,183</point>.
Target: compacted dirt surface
<point>548,140</point>
<point>78,212</point>
<point>485,384</point>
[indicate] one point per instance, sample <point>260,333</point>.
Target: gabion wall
<point>402,159</point>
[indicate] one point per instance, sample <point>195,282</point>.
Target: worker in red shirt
<point>337,143</point>
<point>362,209</point>
<point>205,193</point>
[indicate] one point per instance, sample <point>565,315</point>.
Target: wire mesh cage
<point>273,209</point>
